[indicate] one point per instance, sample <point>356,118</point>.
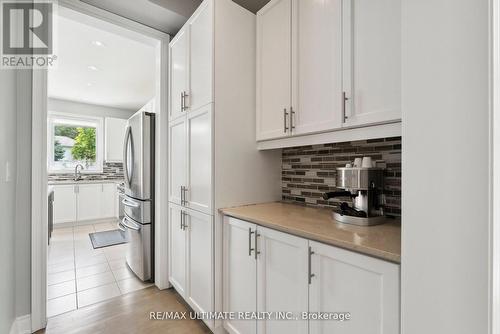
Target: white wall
<point>88,109</point>
<point>445,167</point>
<point>7,197</point>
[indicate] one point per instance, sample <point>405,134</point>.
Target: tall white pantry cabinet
<point>213,159</point>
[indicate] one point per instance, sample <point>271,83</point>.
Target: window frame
<point>52,118</point>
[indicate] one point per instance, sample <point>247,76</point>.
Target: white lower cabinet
<point>191,254</point>
<point>281,280</point>
<point>177,248</point>
<point>345,281</point>
<point>64,204</point>
<point>82,202</point>
<point>295,275</point>
<point>200,292</point>
<point>89,201</point>
<point>240,274</point>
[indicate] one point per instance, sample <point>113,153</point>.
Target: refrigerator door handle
<point>128,140</point>
<point>125,155</point>
<point>121,227</point>
<point>130,203</point>
<point>124,223</point>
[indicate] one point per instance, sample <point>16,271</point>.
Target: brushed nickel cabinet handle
<point>183,104</point>
<point>182,195</point>
<point>250,249</point>
<point>182,101</point>
<point>285,126</point>
<point>310,275</point>
<point>292,112</point>
<point>182,220</point>
<point>257,252</point>
<point>344,99</point>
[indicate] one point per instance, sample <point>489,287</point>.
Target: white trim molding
<point>495,167</point>
<point>39,158</point>
<point>21,325</point>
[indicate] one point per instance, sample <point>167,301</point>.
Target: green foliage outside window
<point>58,151</point>
<point>84,148</point>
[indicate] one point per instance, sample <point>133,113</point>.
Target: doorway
<point>42,168</point>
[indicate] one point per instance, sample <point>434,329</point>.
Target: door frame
<point>494,93</point>
<point>39,172</point>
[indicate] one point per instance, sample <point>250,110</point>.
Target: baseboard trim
<point>21,325</point>
<point>84,223</point>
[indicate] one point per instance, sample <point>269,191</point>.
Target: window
<point>74,140</point>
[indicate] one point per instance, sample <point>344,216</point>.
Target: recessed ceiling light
<point>98,43</point>
<point>92,68</point>
<point>89,84</point>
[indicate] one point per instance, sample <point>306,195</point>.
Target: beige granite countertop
<point>382,241</point>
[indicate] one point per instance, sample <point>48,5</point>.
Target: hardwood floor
<point>128,313</point>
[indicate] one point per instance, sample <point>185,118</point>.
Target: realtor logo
<point>27,34</point>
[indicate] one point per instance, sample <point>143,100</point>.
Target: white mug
<point>366,162</point>
<point>357,162</point>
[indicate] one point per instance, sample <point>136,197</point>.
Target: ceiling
<point>119,73</point>
<point>165,18</point>
<point>252,5</point>
<point>164,15</point>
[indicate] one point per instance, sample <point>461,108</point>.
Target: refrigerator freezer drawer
<point>140,211</point>
<point>138,249</point>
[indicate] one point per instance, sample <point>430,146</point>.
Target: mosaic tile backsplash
<point>111,171</point>
<point>309,171</point>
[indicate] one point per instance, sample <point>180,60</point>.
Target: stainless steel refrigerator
<point>138,199</point>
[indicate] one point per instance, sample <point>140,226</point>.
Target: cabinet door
<point>372,61</point>
<point>365,287</point>
<point>316,66</point>
<point>89,201</point>
<point>199,176</point>
<point>274,69</point>
<point>108,200</point>
<point>177,159</point>
<point>64,204</point>
<point>177,249</point>
<point>240,269</point>
<point>115,135</point>
<point>178,72</point>
<point>200,271</point>
<point>282,280</point>
<point>201,56</point>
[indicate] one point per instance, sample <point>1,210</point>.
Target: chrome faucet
<point>78,174</point>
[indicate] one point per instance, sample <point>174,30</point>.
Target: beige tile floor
<point>79,275</point>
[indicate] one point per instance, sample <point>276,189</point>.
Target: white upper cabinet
<point>274,28</point>
<point>191,63</point>
<point>365,287</point>
<point>317,66</point>
<point>177,160</point>
<point>372,61</point>
<point>198,193</point>
<point>115,135</point>
<point>201,60</point>
<point>325,65</point>
<point>179,60</point>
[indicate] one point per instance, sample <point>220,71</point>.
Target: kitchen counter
<point>382,241</point>
<point>64,182</point>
